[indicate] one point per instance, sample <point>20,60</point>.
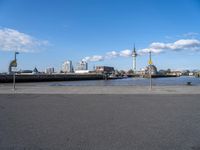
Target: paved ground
<point>99,122</point>
<point>44,88</point>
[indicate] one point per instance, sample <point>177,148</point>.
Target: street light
<point>16,55</point>
<point>14,64</point>
<point>150,63</point>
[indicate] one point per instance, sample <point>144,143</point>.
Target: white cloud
<point>125,53</point>
<point>179,45</point>
<point>13,40</point>
<point>186,44</point>
<point>94,58</point>
<point>147,50</point>
<point>112,54</point>
<point>109,55</point>
<point>157,45</point>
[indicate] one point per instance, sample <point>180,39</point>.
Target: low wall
<point>50,77</point>
<point>159,76</point>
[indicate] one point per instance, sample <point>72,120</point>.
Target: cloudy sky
<point>102,32</point>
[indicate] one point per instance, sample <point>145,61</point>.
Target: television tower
<point>134,55</point>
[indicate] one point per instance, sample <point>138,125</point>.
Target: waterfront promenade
<point>99,122</point>
<point>49,116</point>
<point>57,88</point>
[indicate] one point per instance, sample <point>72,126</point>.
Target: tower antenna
<point>134,55</point>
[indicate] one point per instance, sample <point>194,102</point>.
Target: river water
<point>132,82</point>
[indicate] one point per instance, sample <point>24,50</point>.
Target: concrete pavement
<point>99,122</point>
<point>44,88</point>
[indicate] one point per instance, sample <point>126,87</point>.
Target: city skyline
<point>46,33</point>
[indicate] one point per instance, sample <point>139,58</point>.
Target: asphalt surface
<point>99,122</point>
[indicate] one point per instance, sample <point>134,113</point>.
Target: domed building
<point>152,69</point>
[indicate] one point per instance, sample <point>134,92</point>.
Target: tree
<point>122,72</point>
<point>163,72</point>
<point>168,71</point>
<point>130,71</point>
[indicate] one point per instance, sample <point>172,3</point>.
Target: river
<point>132,82</point>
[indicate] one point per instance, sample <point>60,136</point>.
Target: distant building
<point>82,71</point>
<point>82,65</point>
<point>197,74</point>
<point>105,69</point>
<point>191,74</point>
<point>49,70</point>
<point>177,73</point>
<point>152,69</point>
<point>34,71</point>
<point>142,71</point>
<point>26,72</point>
<point>67,67</point>
<point>148,69</point>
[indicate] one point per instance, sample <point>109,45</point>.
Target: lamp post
<point>150,63</point>
<point>14,64</point>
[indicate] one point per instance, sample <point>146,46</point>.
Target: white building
<point>82,71</point>
<point>49,70</point>
<point>67,66</point>
<point>191,74</point>
<point>82,65</point>
<point>177,73</point>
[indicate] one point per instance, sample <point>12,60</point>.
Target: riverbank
<point>68,77</point>
<point>50,77</point>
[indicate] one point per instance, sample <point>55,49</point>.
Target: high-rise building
<point>67,66</point>
<point>49,70</point>
<point>82,65</point>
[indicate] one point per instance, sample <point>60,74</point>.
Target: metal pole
<point>14,81</point>
<point>150,78</point>
<point>135,64</point>
<point>150,63</point>
<point>15,65</point>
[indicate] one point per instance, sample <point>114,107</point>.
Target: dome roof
<point>151,68</point>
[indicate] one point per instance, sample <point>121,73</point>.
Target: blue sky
<point>60,30</point>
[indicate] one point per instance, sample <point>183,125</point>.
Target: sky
<point>102,32</point>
